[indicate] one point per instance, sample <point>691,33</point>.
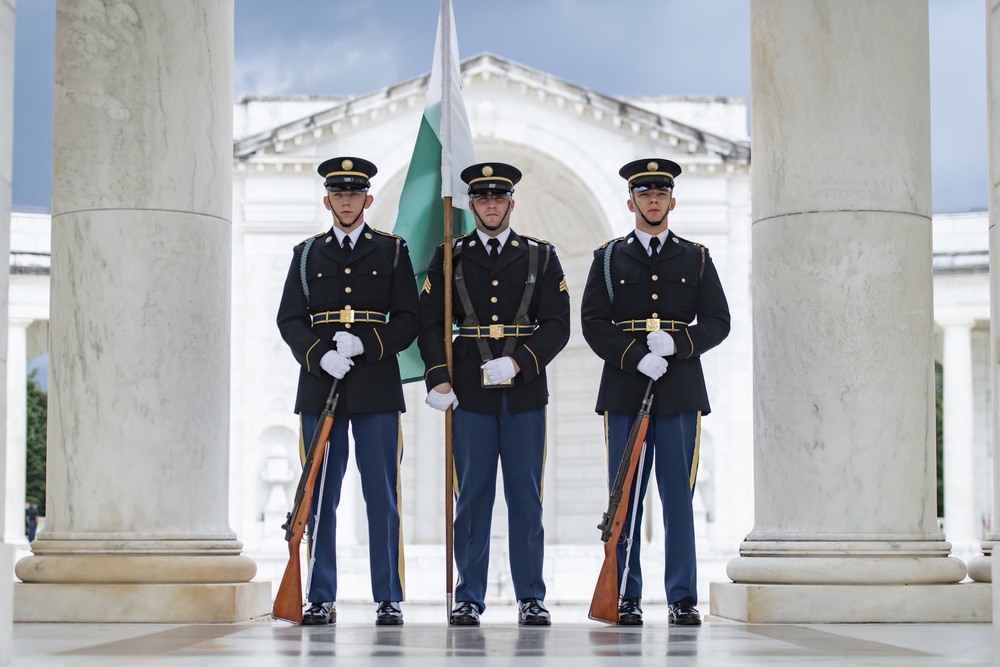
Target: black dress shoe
<point>531,611</point>
<point>465,613</point>
<point>388,613</point>
<point>320,613</point>
<point>684,613</point>
<point>630,612</point>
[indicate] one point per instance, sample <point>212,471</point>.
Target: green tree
<point>35,473</point>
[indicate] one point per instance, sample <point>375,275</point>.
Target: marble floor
<point>572,640</point>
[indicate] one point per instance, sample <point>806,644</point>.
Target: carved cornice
<point>269,146</point>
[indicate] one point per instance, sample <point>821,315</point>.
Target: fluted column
<point>17,430</point>
<point>7,11</point>
<point>961,525</point>
<point>844,447</point>
<point>981,568</point>
<point>137,525</point>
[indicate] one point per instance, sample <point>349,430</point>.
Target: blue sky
<point>642,47</point>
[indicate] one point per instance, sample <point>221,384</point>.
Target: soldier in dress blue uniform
<point>652,306</point>
<point>512,307</point>
<point>349,305</point>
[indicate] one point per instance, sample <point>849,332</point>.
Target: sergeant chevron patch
<point>427,285</point>
<point>563,287</point>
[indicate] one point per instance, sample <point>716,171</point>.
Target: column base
<point>141,603</point>
<point>792,603</point>
<point>981,569</point>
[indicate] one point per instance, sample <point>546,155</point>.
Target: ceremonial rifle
<point>604,605</point>
<point>288,602</point>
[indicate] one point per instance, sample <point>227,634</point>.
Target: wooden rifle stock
<point>288,601</point>
<point>604,604</point>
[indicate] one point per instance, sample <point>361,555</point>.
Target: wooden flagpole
<point>449,457</point>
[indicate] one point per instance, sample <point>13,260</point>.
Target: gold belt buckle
<point>346,316</point>
<point>496,331</point>
<point>652,324</point>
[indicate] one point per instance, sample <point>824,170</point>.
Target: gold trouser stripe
<point>401,564</point>
<point>381,347</point>
<point>537,369</point>
<point>302,462</point>
<point>308,352</point>
<point>621,363</point>
<point>697,450</point>
<point>545,452</point>
<point>607,453</point>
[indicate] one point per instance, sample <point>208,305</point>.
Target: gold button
<point>656,277</point>
<point>319,275</point>
<point>347,325</point>
<point>656,316</point>
<point>493,299</point>
<point>515,243</point>
<point>329,238</point>
<point>348,290</point>
<point>495,318</point>
<point>676,240</point>
<point>655,296</point>
<point>347,307</point>
<point>374,273</point>
<point>683,280</point>
<point>623,282</point>
<point>496,282</point>
<point>347,270</point>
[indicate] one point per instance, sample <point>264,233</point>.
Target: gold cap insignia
<point>347,165</point>
<point>652,166</point>
<point>487,170</point>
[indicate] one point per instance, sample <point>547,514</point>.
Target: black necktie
<point>346,245</point>
<point>654,246</point>
<point>494,249</point>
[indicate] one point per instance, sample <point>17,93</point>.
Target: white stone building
<point>569,142</point>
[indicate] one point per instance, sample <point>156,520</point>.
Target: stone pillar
<point>980,568</point>
<point>7,11</point>
<point>961,525</point>
<point>137,525</point>
<point>17,430</point>
<point>844,447</point>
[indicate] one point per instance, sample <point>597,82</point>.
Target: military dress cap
<point>346,173</point>
<point>650,174</point>
<point>491,178</point>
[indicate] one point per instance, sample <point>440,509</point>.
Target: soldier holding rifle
<point>349,305</point>
<point>652,306</point>
<point>512,307</point>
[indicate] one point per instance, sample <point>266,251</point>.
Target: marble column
<point>961,524</point>
<point>844,448</point>
<point>7,12</point>
<point>17,430</point>
<point>137,525</point>
<point>980,568</point>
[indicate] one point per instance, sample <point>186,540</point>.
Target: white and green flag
<point>443,149</point>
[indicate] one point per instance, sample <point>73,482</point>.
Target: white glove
<point>335,364</point>
<point>659,343</point>
<point>653,366</point>
<point>348,344</point>
<point>440,401</point>
<point>499,370</point>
